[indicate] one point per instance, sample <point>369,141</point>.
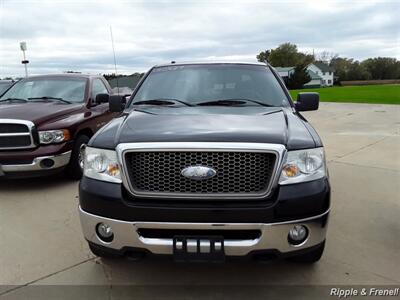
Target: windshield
<point>4,86</point>
<point>196,84</point>
<point>70,89</point>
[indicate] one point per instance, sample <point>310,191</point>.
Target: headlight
<point>101,164</point>
<point>54,136</point>
<point>303,165</point>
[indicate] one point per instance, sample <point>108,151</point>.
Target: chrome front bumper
<point>273,235</point>
<point>59,160</point>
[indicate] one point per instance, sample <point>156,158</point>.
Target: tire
<point>74,169</point>
<point>310,257</point>
<point>102,252</point>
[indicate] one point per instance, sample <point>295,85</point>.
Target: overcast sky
<point>75,35</point>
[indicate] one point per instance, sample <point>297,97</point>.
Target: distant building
<point>322,70</point>
<point>320,73</point>
<point>316,80</point>
<point>285,72</point>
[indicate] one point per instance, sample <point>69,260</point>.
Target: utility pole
<point>25,62</point>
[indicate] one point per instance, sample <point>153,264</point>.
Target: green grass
<point>381,94</point>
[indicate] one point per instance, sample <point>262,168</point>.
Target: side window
<point>98,88</point>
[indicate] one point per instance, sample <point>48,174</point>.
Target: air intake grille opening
<point>15,141</point>
<point>13,128</point>
<point>236,172</point>
<point>15,135</point>
<point>226,234</point>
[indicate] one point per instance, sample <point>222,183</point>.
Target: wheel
<point>102,251</point>
<point>75,167</point>
<point>309,257</point>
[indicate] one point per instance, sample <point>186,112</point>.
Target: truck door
<point>100,111</point>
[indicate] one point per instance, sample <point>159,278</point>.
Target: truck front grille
<point>13,128</point>
<point>16,134</point>
<point>238,173</point>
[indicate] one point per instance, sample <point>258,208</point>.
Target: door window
<point>98,88</point>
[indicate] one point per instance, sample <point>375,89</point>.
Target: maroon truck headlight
<point>54,136</point>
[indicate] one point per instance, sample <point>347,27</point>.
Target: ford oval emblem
<point>198,172</point>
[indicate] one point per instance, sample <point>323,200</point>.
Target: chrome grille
<point>244,170</point>
<point>16,134</point>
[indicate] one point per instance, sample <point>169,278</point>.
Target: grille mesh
<point>13,128</point>
<point>14,135</point>
<point>14,141</point>
<point>237,172</point>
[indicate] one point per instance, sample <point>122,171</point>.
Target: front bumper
<point>289,202</point>
<point>59,160</point>
<point>38,165</point>
<point>274,236</point>
<point>29,162</point>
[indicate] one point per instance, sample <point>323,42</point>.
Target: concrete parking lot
<point>41,241</point>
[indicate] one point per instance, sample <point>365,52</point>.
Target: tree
<point>382,67</point>
<point>349,69</point>
<point>263,56</point>
<point>326,57</point>
<point>110,76</point>
<point>299,77</point>
<point>371,68</point>
<point>357,71</point>
<point>341,66</point>
<point>285,55</point>
<point>137,74</point>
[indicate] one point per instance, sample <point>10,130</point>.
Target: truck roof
<point>211,62</point>
<point>65,75</point>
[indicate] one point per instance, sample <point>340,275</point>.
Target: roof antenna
<point>115,61</point>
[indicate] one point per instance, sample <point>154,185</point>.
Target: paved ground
<point>41,241</point>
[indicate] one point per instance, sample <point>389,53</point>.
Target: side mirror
<point>307,101</point>
<point>116,103</point>
<point>102,98</point>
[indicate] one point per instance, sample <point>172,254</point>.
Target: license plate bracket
<point>198,248</point>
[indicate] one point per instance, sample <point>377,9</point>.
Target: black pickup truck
<point>207,161</point>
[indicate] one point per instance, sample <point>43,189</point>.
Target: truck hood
<point>207,124</point>
<point>37,112</point>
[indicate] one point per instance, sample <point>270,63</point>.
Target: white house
<point>315,82</point>
<point>322,70</point>
<point>320,73</point>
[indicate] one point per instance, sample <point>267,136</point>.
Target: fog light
<point>104,232</point>
<point>298,234</point>
<point>47,163</point>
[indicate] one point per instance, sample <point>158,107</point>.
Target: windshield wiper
<point>232,102</point>
<point>14,99</point>
<point>161,101</point>
<point>50,98</point>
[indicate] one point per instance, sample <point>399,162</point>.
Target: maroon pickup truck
<point>45,120</point>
